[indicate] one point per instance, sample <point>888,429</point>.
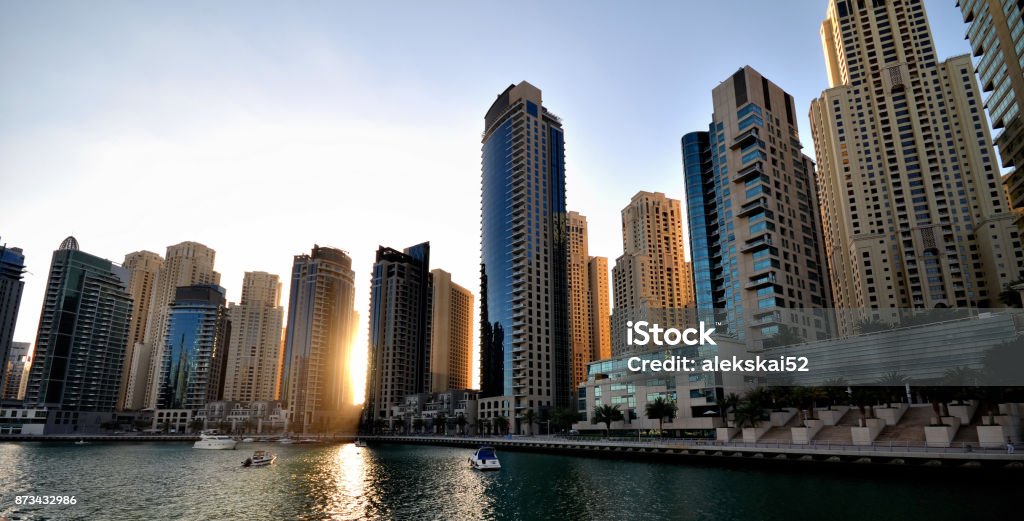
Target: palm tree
<point>1010,296</point>
<point>835,390</point>
<point>530,418</point>
<point>786,336</point>
<point>661,408</point>
<point>140,424</point>
<point>195,425</point>
<point>461,422</point>
<point>484,426</point>
<point>864,398</point>
<point>378,425</point>
<point>564,417</point>
<point>894,382</point>
<point>441,422</point>
<point>417,425</point>
<point>870,325</point>
<point>501,424</point>
<point>606,414</point>
<point>748,414</point>
<point>729,404</point>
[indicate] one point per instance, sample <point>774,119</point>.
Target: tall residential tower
<point>913,212</point>
<point>12,265</point>
<point>318,340</point>
<point>143,267</point>
<point>524,333</point>
<point>254,360</point>
<point>755,233</point>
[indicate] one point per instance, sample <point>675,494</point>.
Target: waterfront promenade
<point>700,450</point>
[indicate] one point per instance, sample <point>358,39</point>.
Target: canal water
<point>115,481</point>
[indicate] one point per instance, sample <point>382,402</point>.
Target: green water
<point>173,481</point>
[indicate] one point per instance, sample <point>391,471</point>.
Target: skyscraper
<point>12,265</point>
<point>83,333</point>
<point>451,334</point>
<point>185,264</point>
<point>755,233</point>
<point>651,280</point>
<point>599,308</point>
<point>996,32</point>
<point>399,329</point>
<point>253,362</point>
<point>524,337</point>
<point>578,274</point>
<point>15,371</point>
<point>142,267</point>
<point>912,208</point>
<point>195,346</point>
<point>318,340</point>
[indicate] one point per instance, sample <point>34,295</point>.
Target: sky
<point>260,129</point>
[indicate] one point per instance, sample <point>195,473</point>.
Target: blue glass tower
<point>524,304</point>
<point>12,265</point>
<point>195,348</point>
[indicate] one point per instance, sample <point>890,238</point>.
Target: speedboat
<point>360,443</point>
<point>260,458</point>
<point>215,442</point>
<point>484,459</point>
<point>81,442</point>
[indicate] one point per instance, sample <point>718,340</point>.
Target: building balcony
<point>760,282</point>
<point>749,172</point>
<point>746,138</point>
<point>752,207</point>
<point>763,320</point>
<point>759,243</point>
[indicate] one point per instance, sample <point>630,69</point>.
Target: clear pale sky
<point>260,129</point>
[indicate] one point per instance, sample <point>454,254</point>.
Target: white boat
<point>286,441</point>
<point>215,442</point>
<point>248,440</point>
<point>484,459</point>
<point>360,443</point>
<point>260,458</point>
<point>81,442</point>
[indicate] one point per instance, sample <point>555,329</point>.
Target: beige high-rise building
<point>577,273</point>
<point>254,359</point>
<point>185,264</point>
<point>599,308</point>
<point>451,334</point>
<point>651,280</point>
<point>912,208</point>
<point>142,267</point>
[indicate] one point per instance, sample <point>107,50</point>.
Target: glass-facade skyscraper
<point>524,295</point>
<point>12,265</point>
<point>83,333</point>
<point>194,349</point>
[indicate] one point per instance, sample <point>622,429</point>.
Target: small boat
<point>215,442</point>
<point>484,459</point>
<point>286,441</point>
<point>248,440</point>
<point>360,443</point>
<point>81,442</point>
<point>260,458</point>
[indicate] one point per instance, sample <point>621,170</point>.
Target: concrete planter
<point>892,415</point>
<point>834,416</point>
<point>866,435</point>
<point>994,436</point>
<point>725,434</point>
<point>964,411</point>
<point>942,435</point>
<point>1012,409</point>
<point>752,434</point>
<point>804,435</point>
<point>781,418</point>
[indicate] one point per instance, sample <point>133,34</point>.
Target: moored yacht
<point>215,442</point>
